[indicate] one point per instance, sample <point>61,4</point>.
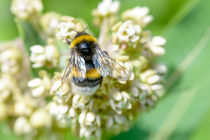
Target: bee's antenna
<point>85,28</point>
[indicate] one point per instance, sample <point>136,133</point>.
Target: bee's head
<point>85,48</point>
<point>84,44</point>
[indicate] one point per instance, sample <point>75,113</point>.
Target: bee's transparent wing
<point>80,68</point>
<point>104,63</point>
<point>76,66</point>
<point>68,70</point>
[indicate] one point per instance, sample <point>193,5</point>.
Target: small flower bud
<point>22,126</point>
<point>138,15</point>
<point>40,119</point>
<point>126,32</point>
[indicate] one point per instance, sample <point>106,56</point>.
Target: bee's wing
<point>80,67</point>
<point>104,63</point>
<point>75,65</point>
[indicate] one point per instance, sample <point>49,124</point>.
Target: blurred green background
<point>184,112</point>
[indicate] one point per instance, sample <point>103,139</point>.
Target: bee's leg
<point>105,52</point>
<point>68,41</point>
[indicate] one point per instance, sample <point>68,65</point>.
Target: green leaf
<point>7,24</point>
<point>30,37</point>
<point>181,111</point>
<point>203,131</point>
<point>166,13</point>
<point>6,133</point>
<point>28,34</point>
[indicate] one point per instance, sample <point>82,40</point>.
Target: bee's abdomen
<point>92,77</point>
<point>87,82</point>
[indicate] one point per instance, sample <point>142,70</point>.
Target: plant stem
<point>103,32</point>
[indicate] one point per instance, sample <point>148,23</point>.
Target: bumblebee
<point>87,65</point>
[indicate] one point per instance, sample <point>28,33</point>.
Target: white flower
<point>40,118</point>
<point>52,55</point>
<point>23,107</point>
<point>22,126</point>
<point>154,44</point>
<point>8,87</point>
<point>161,68</point>
<point>120,101</point>
<point>107,7</point>
<point>157,44</point>
<point>11,61</point>
<point>120,119</point>
<point>59,111</point>
<point>68,28</point>
<point>39,86</point>
<point>90,124</point>
<point>117,123</point>
<point>127,32</point>
<point>58,88</point>
<point>49,22</point>
<point>82,101</point>
<point>121,74</point>
<point>66,31</point>
<point>90,131</point>
<point>25,9</point>
<point>38,56</point>
<point>106,13</point>
<point>150,77</point>
<point>44,56</point>
<point>139,15</point>
<point>72,112</point>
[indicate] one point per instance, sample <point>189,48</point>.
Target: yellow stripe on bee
<point>82,38</point>
<point>91,73</point>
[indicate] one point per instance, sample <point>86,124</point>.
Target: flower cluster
<point>25,9</point>
<point>17,104</point>
<point>33,96</point>
<point>139,15</point>
<point>48,55</point>
<point>107,9</point>
<point>68,28</point>
<point>119,99</point>
<point>49,22</point>
<point>10,59</point>
<point>126,32</point>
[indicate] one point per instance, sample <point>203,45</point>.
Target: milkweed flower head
<point>49,22</point>
<point>24,9</point>
<point>68,28</point>
<point>48,55</point>
<point>113,107</point>
<point>33,97</point>
<point>107,9</point>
